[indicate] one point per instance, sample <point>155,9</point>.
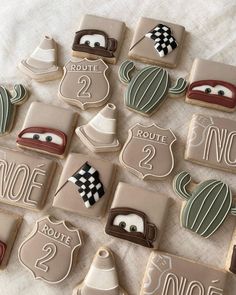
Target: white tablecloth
<point>211,34</point>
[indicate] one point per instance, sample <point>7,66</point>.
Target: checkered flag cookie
<point>164,42</point>
<point>90,187</point>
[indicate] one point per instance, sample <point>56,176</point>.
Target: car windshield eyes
<point>216,90</point>
<point>43,137</point>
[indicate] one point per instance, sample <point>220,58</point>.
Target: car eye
<point>208,90</point>
<point>221,92</point>
<point>97,44</point>
<point>36,136</point>
<point>122,224</point>
<point>133,228</point>
<point>48,138</point>
<point>87,42</point>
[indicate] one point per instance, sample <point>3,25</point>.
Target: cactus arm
<point>180,183</point>
<point>180,87</point>
<point>20,94</point>
<point>233,210</point>
<point>124,71</point>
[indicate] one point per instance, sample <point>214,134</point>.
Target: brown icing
<point>213,98</point>
<point>146,239</point>
<point>107,51</point>
<point>3,248</point>
<point>233,261</point>
<point>41,145</point>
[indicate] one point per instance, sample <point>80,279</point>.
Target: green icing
<point>180,183</point>
<point>179,88</point>
<point>124,71</point>
<point>7,104</point>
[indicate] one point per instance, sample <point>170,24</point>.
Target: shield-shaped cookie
<point>84,83</point>
<point>48,252</point>
<point>147,152</point>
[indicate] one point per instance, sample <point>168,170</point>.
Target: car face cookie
<point>206,206</point>
<point>167,273</point>
<point>47,129</point>
<point>99,37</point>
<point>212,142</point>
<point>212,84</point>
<point>140,222</point>
<point>50,250</point>
<point>24,179</point>
<point>85,83</point>
<point>148,88</point>
<point>144,148</point>
<point>157,42</point>
<point>85,186</point>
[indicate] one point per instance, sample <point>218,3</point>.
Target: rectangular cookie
<point>24,179</point>
<point>157,42</point>
<point>9,227</point>
<point>212,142</point>
<point>99,37</point>
<point>231,257</point>
<point>169,274</point>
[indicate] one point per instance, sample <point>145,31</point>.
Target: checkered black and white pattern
<point>90,187</point>
<point>164,41</point>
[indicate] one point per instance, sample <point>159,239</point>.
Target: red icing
<point>3,248</point>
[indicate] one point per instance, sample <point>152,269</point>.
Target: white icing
<point>101,279</point>
<point>130,219</point>
<point>51,251</point>
<point>92,39</point>
<point>44,55</point>
<point>103,124</point>
<point>42,137</point>
<point>214,90</point>
<point>150,154</point>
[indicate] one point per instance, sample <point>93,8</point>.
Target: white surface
<point>211,34</point>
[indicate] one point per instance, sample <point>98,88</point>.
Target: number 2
<point>51,250</point>
<point>86,82</point>
<point>145,162</point>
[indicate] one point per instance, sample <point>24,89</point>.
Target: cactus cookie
<point>206,206</point>
<point>8,103</point>
<point>148,88</point>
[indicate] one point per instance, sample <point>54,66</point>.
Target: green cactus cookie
<point>8,104</point>
<point>148,88</point>
<point>206,207</point>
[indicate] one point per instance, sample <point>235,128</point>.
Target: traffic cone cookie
<point>102,278</point>
<point>99,134</point>
<point>42,63</point>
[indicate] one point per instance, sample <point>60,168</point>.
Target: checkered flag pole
<point>90,187</point>
<point>164,42</point>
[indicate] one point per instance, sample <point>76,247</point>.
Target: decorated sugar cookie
<point>50,250</point>
<point>157,42</point>
<point>206,206</point>
<point>103,266</point>
<point>47,129</point>
<point>212,84</point>
<point>147,152</point>
<point>140,221</point>
<point>8,104</point>
<point>42,63</point>
<point>99,134</point>
<point>85,84</point>
<point>85,185</point>
<point>231,257</point>
<point>99,37</point>
<point>148,88</point>
<point>167,274</point>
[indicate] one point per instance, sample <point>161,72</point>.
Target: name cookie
<point>157,42</point>
<point>47,129</point>
<point>24,179</point>
<point>147,152</point>
<point>212,84</point>
<point>85,84</point>
<point>206,206</point>
<point>148,88</point>
<point>99,37</point>
<point>140,222</point>
<point>169,274</point>
<point>212,142</point>
<point>50,250</point>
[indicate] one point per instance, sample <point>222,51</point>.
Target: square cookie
<point>212,142</point>
<point>24,179</point>
<point>9,227</point>
<point>99,37</point>
<point>157,42</point>
<point>137,215</point>
<point>170,274</point>
<point>85,185</point>
<point>231,258</point>
<point>212,84</point>
<point>47,129</point>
